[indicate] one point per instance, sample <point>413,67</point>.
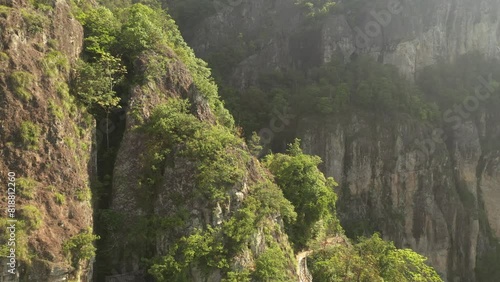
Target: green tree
<point>342,263</point>
<point>270,265</point>
<point>309,191</point>
<point>372,259</point>
<point>95,82</point>
<point>254,145</point>
<point>142,30</point>
<point>101,31</point>
<point>396,264</point>
<point>80,248</point>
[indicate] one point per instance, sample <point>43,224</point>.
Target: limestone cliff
<point>441,204</point>
<point>413,34</point>
<point>431,203</point>
<point>409,34</point>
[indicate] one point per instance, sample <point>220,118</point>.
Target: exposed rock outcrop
<point>176,193</point>
<point>406,33</point>
<point>45,139</point>
<point>428,201</point>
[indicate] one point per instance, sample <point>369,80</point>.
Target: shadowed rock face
<point>428,202</point>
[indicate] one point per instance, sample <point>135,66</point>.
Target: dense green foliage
<point>128,32</point>
<point>220,161</point>
<point>55,63</point>
<point>270,264</point>
<point>334,88</point>
<point>96,78</point>
<point>94,83</point>
<point>207,145</point>
<point>372,259</point>
<point>26,187</point>
<point>305,186</point>
<point>202,247</point>
<point>213,248</point>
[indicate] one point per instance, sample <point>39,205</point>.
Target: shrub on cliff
<point>372,259</point>
<point>30,135</point>
<point>309,191</point>
<point>80,248</point>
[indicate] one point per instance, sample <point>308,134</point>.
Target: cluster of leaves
<point>265,200</point>
<point>59,198</point>
<point>43,5</point>
<point>35,22</point>
<point>94,83</point>
<point>122,35</point>
<point>309,191</point>
<point>97,75</point>
<point>270,265</point>
<point>30,135</point>
<point>4,11</point>
<point>372,259</point>
<point>202,248</point>
<point>80,247</point>
<point>26,187</point>
<point>316,8</point>
<point>219,154</point>
<point>55,63</point>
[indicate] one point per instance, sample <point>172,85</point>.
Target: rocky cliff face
<point>442,204</point>
<point>406,33</point>
<point>413,34</point>
<point>431,203</point>
<point>181,206</point>
<point>45,139</point>
<point>174,201</point>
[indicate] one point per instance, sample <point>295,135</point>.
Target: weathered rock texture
<point>176,192</point>
<point>407,33</point>
<point>413,34</point>
<point>57,162</point>
<point>426,201</point>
